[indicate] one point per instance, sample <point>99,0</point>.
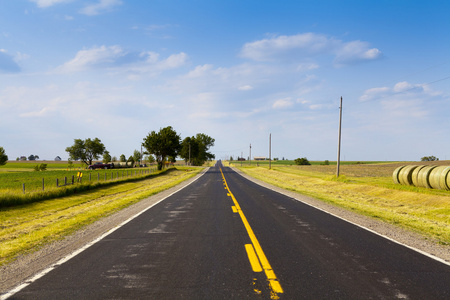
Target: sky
<point>237,71</point>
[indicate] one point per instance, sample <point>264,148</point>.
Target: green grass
<point>21,166</point>
<point>11,183</point>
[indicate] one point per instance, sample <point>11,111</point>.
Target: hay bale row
<point>432,177</point>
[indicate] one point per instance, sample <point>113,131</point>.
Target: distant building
<point>259,158</point>
<point>57,158</point>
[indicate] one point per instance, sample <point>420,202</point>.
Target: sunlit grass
<point>422,210</point>
<point>27,227</point>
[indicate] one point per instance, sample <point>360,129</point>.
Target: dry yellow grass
<point>423,211</point>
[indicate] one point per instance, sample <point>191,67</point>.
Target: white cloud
<point>374,93</point>
<point>48,3</point>
<point>114,57</point>
<point>307,67</point>
<point>305,45</point>
<point>245,88</point>
<point>100,7</point>
<point>354,52</point>
<point>283,103</point>
<point>399,89</point>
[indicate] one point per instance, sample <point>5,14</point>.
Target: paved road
<point>224,237</point>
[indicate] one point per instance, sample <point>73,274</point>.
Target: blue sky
<point>234,70</point>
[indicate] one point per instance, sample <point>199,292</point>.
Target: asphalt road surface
<point>224,237</point>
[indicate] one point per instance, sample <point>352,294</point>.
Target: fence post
<point>105,176</point>
<point>65,180</point>
<point>43,187</point>
<point>73,179</point>
<point>23,187</point>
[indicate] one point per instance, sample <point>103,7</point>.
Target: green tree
<point>106,157</point>
<point>196,148</point>
<point>137,156</point>
<point>429,158</point>
<point>86,150</point>
<point>123,158</point>
<point>130,160</point>
<point>3,157</point>
<point>302,161</point>
<point>162,144</point>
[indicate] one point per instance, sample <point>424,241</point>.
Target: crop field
<point>368,189</point>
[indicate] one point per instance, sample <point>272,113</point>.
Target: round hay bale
<point>396,173</point>
<point>435,178</point>
<point>424,176</point>
<point>445,179</point>
<point>415,175</point>
<point>405,175</point>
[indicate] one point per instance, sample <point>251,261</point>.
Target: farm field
<point>30,226</point>
<point>368,189</point>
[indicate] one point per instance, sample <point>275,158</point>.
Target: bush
<point>326,162</point>
<point>41,167</point>
<point>302,161</point>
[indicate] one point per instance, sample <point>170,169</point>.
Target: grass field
<point>19,187</point>
<point>28,227</point>
<point>368,189</point>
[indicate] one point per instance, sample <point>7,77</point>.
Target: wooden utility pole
<point>270,151</point>
<point>339,140</point>
<point>250,157</point>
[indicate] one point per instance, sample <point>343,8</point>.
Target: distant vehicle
<point>100,165</point>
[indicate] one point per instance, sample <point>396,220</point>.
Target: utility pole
<point>270,151</point>
<point>339,140</point>
<point>250,157</point>
<point>189,154</point>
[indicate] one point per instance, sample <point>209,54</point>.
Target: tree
<point>86,150</point>
<point>123,158</point>
<point>302,161</point>
<point>196,148</point>
<point>106,157</point>
<point>3,157</point>
<point>114,159</point>
<point>429,158</point>
<point>162,144</point>
<point>33,157</point>
<point>131,161</point>
<point>137,156</point>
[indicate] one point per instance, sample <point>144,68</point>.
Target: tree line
<point>164,145</point>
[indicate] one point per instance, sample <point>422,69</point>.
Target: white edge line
<point>76,252</point>
<point>356,224</point>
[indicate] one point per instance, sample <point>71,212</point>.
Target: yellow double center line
<point>259,259</point>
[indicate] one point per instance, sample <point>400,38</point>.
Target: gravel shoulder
<point>26,266</point>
